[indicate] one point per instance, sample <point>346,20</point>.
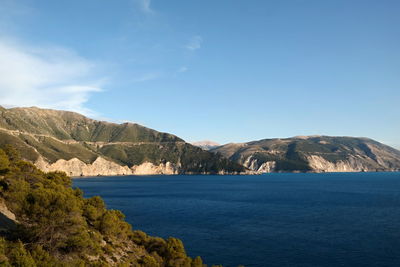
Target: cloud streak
<point>145,6</point>
<point>50,78</point>
<point>182,69</point>
<point>146,77</point>
<point>194,43</point>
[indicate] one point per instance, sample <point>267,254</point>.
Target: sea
<point>278,219</point>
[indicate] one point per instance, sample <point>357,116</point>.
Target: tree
<point>18,255</point>
<point>197,262</point>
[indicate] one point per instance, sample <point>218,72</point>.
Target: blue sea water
<point>335,219</point>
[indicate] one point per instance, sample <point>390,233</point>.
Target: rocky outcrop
<point>319,164</point>
<point>266,167</point>
<point>253,164</point>
<point>5,211</point>
<point>148,168</point>
<point>7,218</point>
<point>103,167</point>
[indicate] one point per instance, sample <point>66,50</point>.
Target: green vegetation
<point>28,152</point>
<point>53,150</point>
<point>64,125</point>
<point>56,226</point>
<point>192,159</point>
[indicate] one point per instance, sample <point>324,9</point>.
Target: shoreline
<point>218,174</point>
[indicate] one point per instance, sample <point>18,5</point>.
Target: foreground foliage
<point>56,226</point>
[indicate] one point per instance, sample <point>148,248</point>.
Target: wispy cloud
<point>146,77</point>
<point>45,77</point>
<point>182,69</point>
<point>145,6</point>
<point>194,43</point>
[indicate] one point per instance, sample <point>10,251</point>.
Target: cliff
<point>75,167</point>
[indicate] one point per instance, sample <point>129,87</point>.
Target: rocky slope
<point>313,153</point>
<point>70,142</point>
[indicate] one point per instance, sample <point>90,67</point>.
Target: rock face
<point>260,167</point>
<point>352,164</point>
<point>68,141</point>
<point>5,211</point>
<point>148,168</point>
<point>102,167</point>
<point>8,221</point>
<point>76,167</point>
<point>313,154</point>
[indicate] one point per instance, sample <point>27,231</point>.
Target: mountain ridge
<point>73,143</point>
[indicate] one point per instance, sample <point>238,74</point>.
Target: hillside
<point>313,153</point>
<point>68,141</point>
<point>45,222</point>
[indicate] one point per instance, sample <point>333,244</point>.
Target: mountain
<point>71,142</point>
<point>313,153</point>
<point>206,145</point>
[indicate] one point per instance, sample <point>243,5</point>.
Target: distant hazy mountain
<point>313,153</point>
<point>206,145</point>
<point>68,141</point>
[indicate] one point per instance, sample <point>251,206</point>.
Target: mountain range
<point>80,146</point>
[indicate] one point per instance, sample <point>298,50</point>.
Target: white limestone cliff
<point>319,164</point>
<point>102,167</point>
<point>148,168</point>
<point>253,165</point>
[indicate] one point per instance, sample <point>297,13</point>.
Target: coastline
<point>231,174</point>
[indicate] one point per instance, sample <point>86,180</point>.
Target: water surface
<point>336,219</point>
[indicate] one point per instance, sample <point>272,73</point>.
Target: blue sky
<point>226,70</point>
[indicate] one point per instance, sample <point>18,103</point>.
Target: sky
<point>226,70</point>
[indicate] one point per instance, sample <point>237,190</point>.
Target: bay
<point>282,219</point>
